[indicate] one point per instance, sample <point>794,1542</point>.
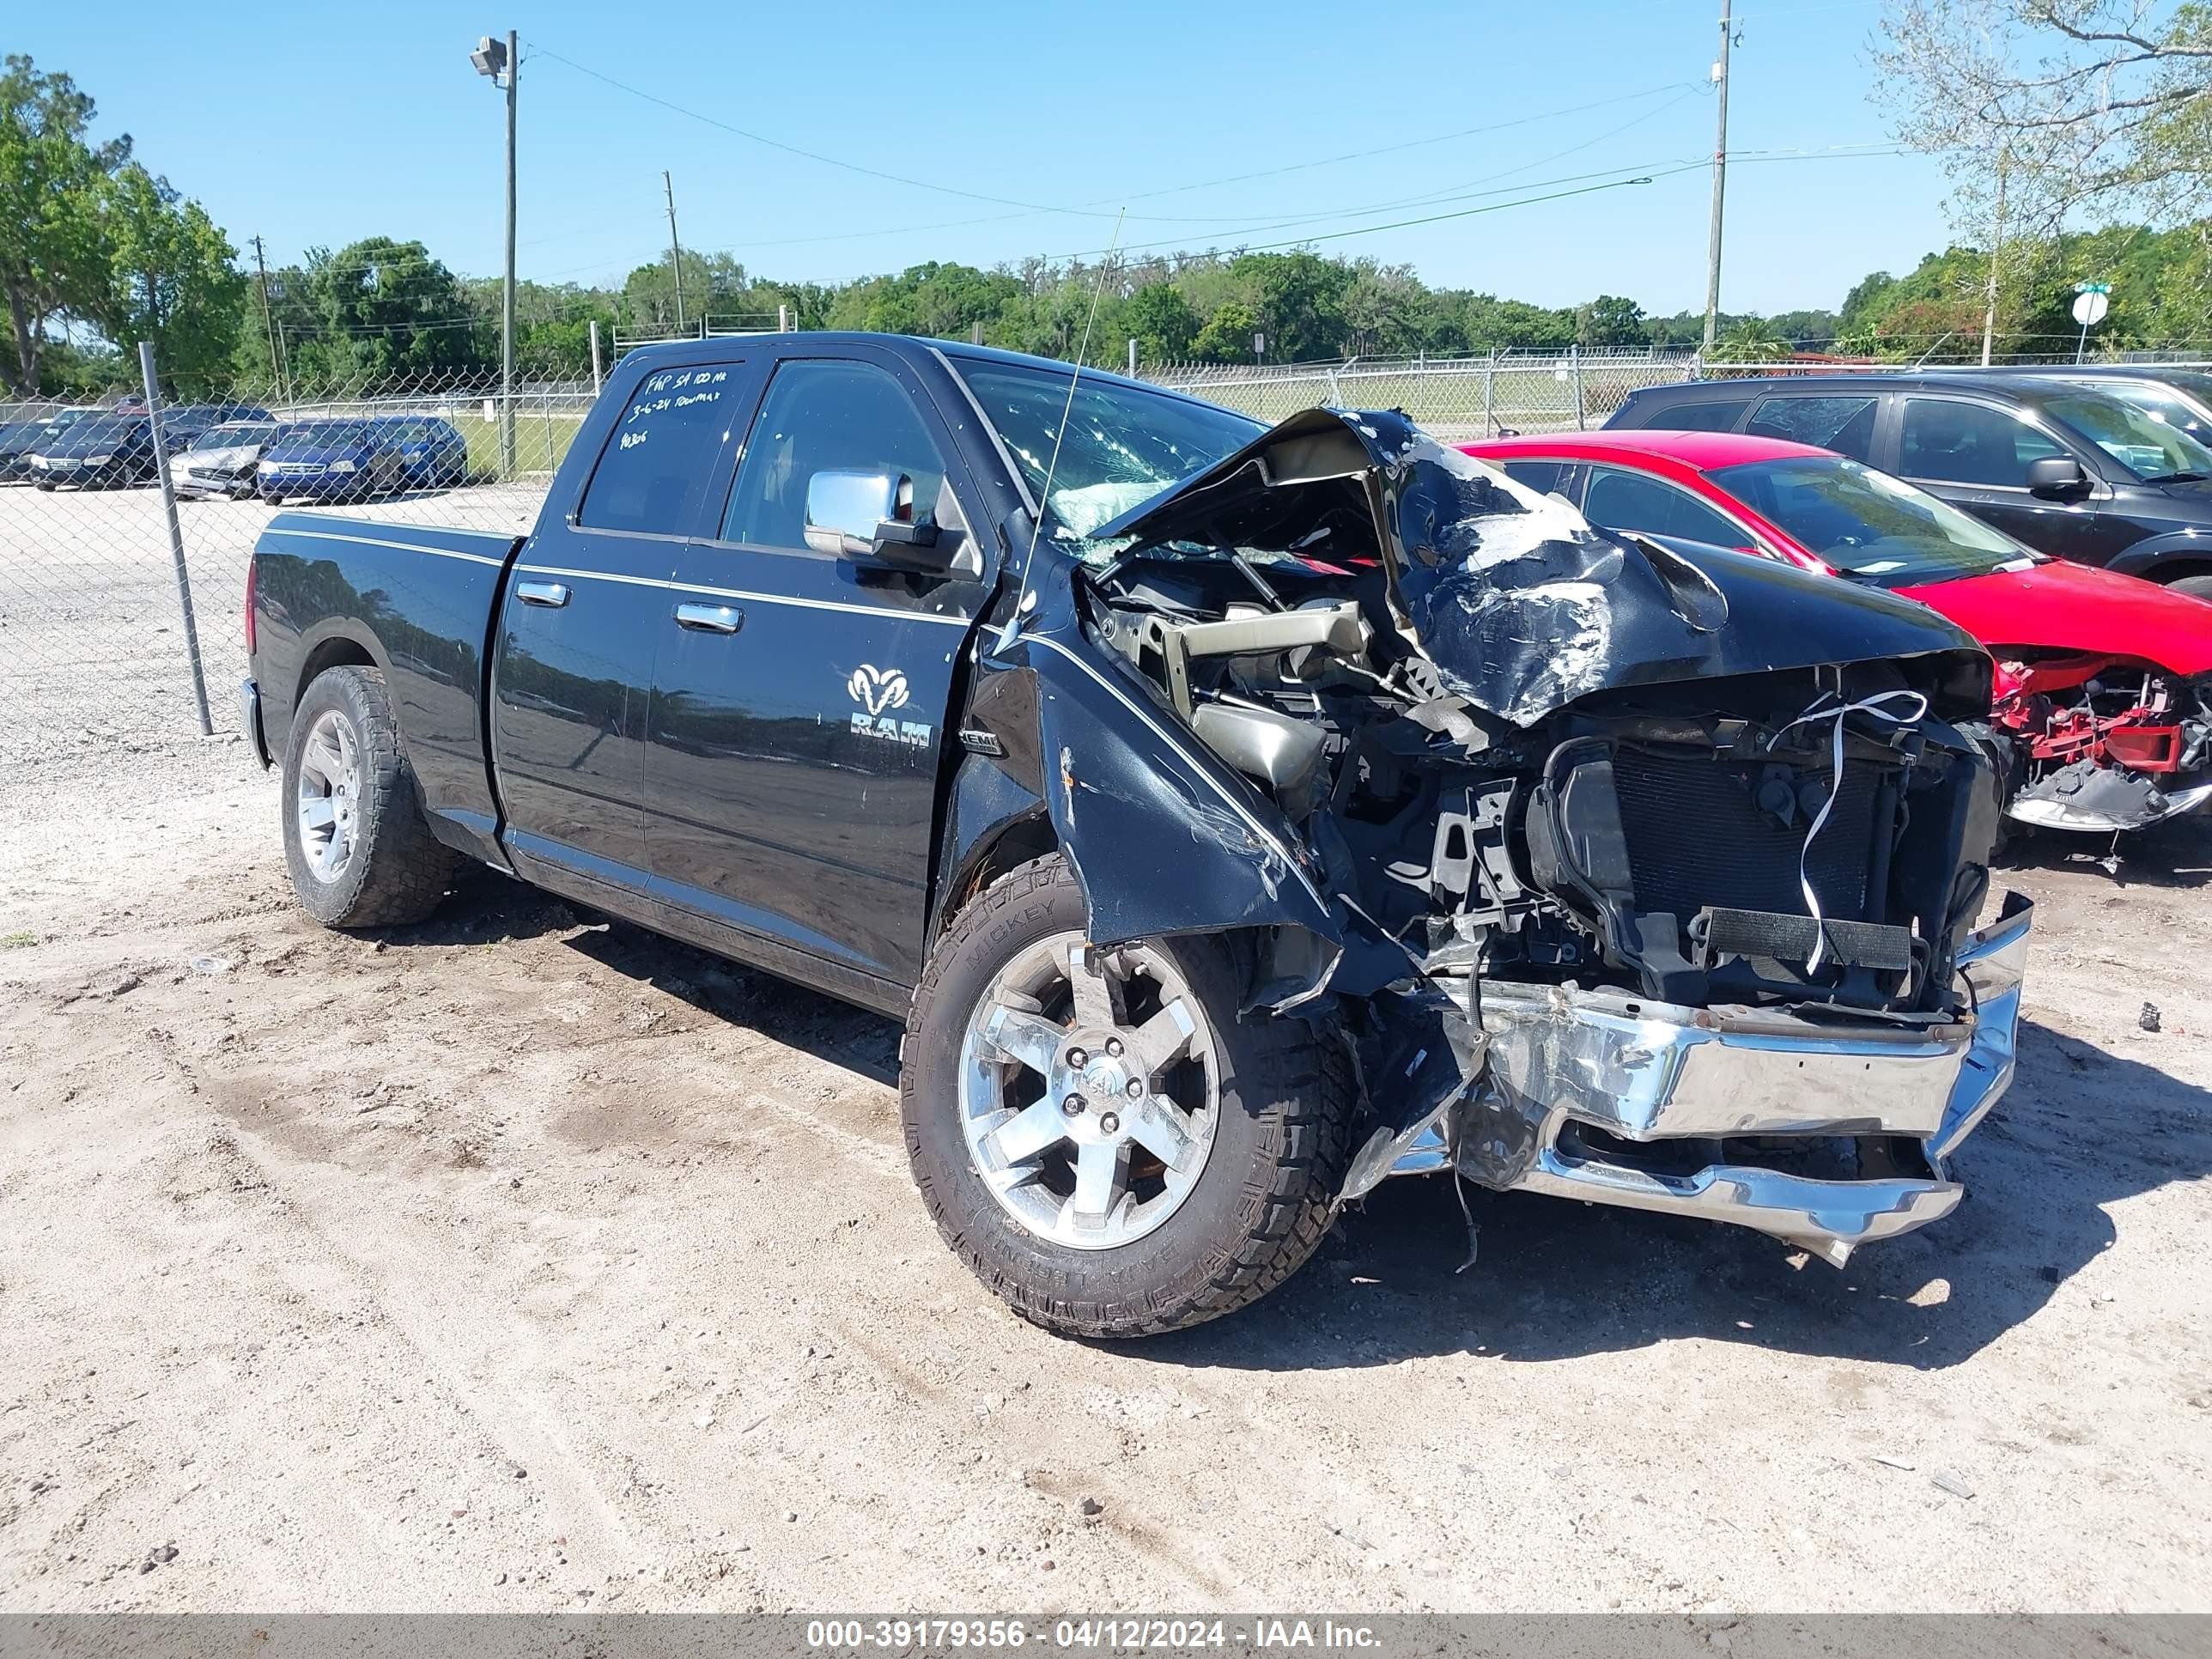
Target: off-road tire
<point>1263,1202</point>
<point>2197,587</point>
<point>398,871</point>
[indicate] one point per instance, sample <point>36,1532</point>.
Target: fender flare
<point>2165,556</point>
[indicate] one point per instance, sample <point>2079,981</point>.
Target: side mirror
<point>870,515</point>
<point>2056,475</point>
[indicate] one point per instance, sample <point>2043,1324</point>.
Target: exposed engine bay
<point>1476,805</point>
<point>2101,743</point>
<point>1663,840</point>
<point>1601,824</point>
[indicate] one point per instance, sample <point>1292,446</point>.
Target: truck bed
<point>426,598</point>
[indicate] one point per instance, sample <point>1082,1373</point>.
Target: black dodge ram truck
<point>1236,816</point>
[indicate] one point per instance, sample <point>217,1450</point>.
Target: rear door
<point>585,609</point>
<point>800,699</point>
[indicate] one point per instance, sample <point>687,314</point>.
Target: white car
<point>222,460</point>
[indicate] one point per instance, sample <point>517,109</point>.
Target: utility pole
<point>1720,185</point>
<point>502,62</point>
<point>507,296</point>
<point>268,319</point>
<point>675,252</point>
<point>1997,249</point>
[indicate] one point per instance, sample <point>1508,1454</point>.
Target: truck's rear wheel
<point>359,853</point>
<point>1096,1132</point>
<point>2197,586</point>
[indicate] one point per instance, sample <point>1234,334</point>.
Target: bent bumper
<point>2138,810</point>
<point>1614,1099</point>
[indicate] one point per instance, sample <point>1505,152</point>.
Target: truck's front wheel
<point>1095,1132</point>
<point>360,853</point>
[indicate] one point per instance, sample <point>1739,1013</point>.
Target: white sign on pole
<point>2089,308</point>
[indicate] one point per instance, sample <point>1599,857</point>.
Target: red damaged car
<point>2104,682</point>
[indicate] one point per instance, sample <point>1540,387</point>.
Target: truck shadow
<point>487,908</point>
<point>2079,1131</point>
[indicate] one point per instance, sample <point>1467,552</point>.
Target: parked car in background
<point>17,439</point>
<point>223,460</point>
<point>2069,467</point>
<point>2104,688</point>
<point>98,453</point>
<point>2182,398</point>
<point>434,454</point>
<point>20,439</point>
<point>183,423</point>
<point>329,461</point>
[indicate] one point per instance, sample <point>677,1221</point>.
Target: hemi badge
<point>977,741</point>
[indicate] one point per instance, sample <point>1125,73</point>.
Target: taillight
<point>252,566</point>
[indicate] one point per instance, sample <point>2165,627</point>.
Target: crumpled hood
<point>230,456</point>
<point>2075,607</point>
<point>1521,603</point>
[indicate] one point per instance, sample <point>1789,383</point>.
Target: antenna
<point>1037,526</point>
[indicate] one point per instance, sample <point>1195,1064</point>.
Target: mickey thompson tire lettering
<point>1261,1203</point>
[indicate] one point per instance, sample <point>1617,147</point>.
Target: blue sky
<point>313,124</point>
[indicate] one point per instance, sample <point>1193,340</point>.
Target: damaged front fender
<point>1162,836</point>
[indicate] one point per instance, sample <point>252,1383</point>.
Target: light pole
<point>494,60</point>
<point>1719,186</point>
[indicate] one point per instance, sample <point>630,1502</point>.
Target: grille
<point>1696,837</point>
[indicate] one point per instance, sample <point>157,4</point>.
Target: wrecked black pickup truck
<point>1237,817</point>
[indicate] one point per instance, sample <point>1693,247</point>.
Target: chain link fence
<point>121,597</point>
<point>1458,399</point>
<point>98,561</point>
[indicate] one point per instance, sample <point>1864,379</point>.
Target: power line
<point>1434,218</point>
<point>1093,210</point>
<point>545,51</point>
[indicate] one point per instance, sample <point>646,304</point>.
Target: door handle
<point>552,595</point>
<point>710,618</point>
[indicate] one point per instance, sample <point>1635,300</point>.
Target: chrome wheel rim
<point>1089,1092</point>
<point>328,803</point>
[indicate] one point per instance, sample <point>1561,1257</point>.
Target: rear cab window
<point>655,470</point>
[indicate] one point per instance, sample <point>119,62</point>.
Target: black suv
<point>2065,463</point>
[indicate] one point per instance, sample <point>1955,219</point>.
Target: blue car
<point>104,451</point>
<point>435,455</point>
<point>331,461</point>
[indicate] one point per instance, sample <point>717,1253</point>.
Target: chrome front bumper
<point>2047,814</point>
<point>1560,1062</point>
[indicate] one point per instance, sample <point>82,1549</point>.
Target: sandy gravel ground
<point>510,1263</point>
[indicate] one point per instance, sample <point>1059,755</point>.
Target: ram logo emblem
<point>877,689</point>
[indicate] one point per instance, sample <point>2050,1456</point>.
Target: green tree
<point>2063,107</point>
<point>1752,340</point>
<point>1609,322</point>
<point>1227,336</point>
<point>1161,321</point>
<point>51,174</point>
<point>170,280</point>
<point>384,308</point>
<point>1492,323</point>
